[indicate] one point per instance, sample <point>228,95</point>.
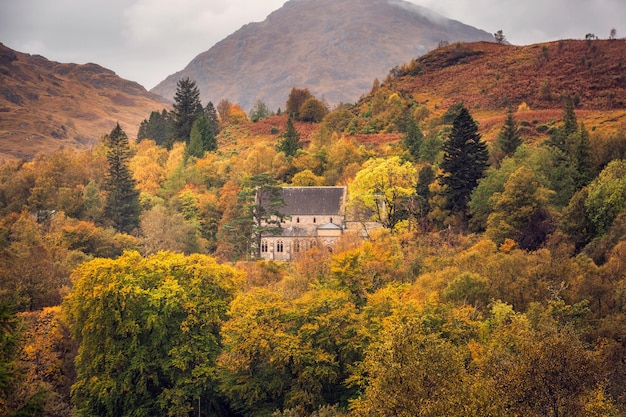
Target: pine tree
<point>214,121</point>
<point>464,163</point>
<point>291,140</point>
<point>413,138</point>
<point>583,158</point>
<point>187,108</point>
<point>122,201</point>
<point>194,147</point>
<point>509,138</point>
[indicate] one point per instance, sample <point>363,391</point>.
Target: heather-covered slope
<point>45,105</point>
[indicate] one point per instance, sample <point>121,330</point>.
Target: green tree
<point>313,110</point>
<point>148,331</point>
<point>413,138</point>
<point>122,197</point>
<point>582,156</point>
<point>187,108</point>
<point>509,137</point>
<point>518,208</point>
<point>464,163</point>
<point>157,127</point>
<point>259,111</point>
<point>211,114</point>
<point>607,196</point>
<point>194,148</point>
<point>384,189</point>
<point>290,143</point>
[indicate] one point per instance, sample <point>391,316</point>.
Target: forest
<point>495,286</point>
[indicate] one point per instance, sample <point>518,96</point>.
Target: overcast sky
<point>147,40</point>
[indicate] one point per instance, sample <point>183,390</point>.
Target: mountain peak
<point>335,48</point>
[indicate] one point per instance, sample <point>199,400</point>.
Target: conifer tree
<point>413,138</point>
<point>291,140</point>
<point>122,201</point>
<point>187,108</point>
<point>464,163</point>
<point>211,114</point>
<point>583,158</point>
<point>194,147</point>
<point>509,137</point>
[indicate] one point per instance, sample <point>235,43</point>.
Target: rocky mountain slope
<point>45,105</point>
<point>335,48</point>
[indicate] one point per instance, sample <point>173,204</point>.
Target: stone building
<point>314,216</point>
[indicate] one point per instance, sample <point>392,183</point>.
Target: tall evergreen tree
<point>214,121</point>
<point>291,140</point>
<point>156,128</point>
<point>509,137</point>
<point>187,108</point>
<point>559,137</point>
<point>583,158</point>
<point>464,163</point>
<point>122,202</point>
<point>413,138</point>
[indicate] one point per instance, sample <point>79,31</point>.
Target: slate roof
<point>313,201</point>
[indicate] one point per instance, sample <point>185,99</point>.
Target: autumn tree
<point>384,188</point>
<point>122,198</point>
<point>290,142</point>
<point>187,108</point>
<point>464,163</point>
<point>223,109</point>
<point>297,97</point>
<point>148,334</point>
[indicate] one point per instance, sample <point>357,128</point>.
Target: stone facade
<point>315,216</point>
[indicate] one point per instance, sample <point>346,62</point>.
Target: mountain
<point>335,48</point>
<point>45,105</point>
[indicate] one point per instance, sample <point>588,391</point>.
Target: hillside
<point>488,78</point>
<point>333,48</point>
<point>45,105</point>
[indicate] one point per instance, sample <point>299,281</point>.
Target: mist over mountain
<point>335,48</point>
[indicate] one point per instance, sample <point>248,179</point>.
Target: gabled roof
<point>313,201</point>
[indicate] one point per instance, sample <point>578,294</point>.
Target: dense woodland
<point>496,285</point>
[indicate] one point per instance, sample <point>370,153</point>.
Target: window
<point>296,246</point>
<point>314,219</point>
<point>297,219</point>
<point>280,246</point>
<point>331,220</point>
<point>264,246</point>
<point>312,244</point>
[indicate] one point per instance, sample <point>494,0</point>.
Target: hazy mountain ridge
<point>45,105</point>
<point>334,48</point>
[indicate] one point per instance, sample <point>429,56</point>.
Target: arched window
<point>296,246</point>
<point>297,219</point>
<point>280,246</point>
<point>264,246</point>
<point>312,244</point>
<point>314,220</point>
